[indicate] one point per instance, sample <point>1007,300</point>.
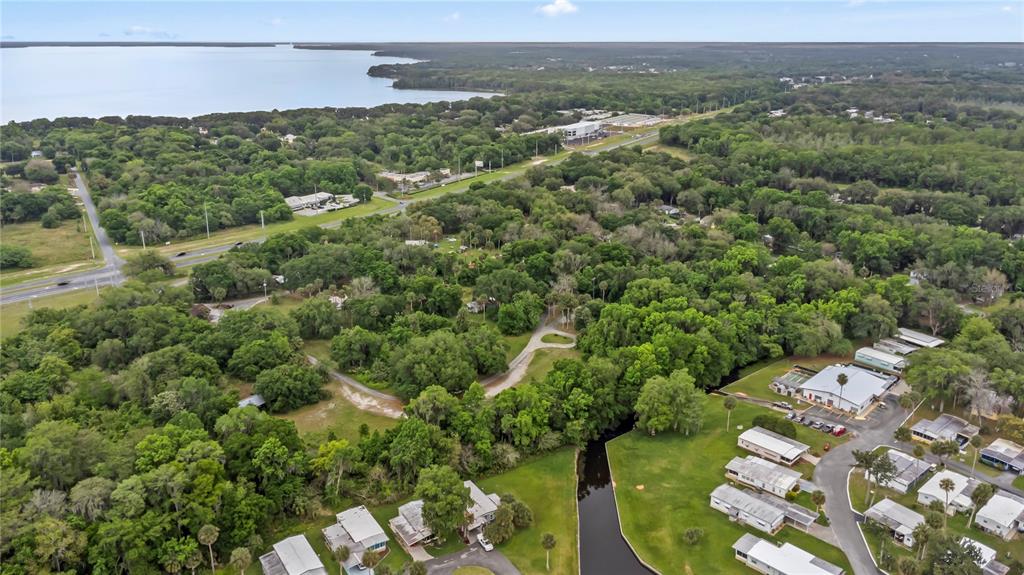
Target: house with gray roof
<point>359,531</point>
<point>988,563</point>
<point>742,506</point>
<point>1005,455</point>
<point>411,528</point>
<point>772,446</point>
<point>786,559</point>
<point>763,474</point>
<point>899,520</point>
<point>863,387</point>
<point>292,556</point>
<point>919,339</point>
<point>909,471</point>
<point>792,514</point>
<point>944,427</point>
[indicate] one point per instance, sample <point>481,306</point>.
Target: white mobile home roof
<point>1003,509</point>
<point>908,469</point>
<point>1005,451</point>
<point>919,339</point>
<point>896,346</point>
<point>787,559</point>
<point>745,501</point>
<point>895,516</point>
<point>956,496</point>
<point>765,471</point>
<point>880,355</point>
<point>770,441</point>
<point>297,556</point>
<point>862,385</point>
<point>361,526</point>
<point>987,553</point>
<point>945,426</point>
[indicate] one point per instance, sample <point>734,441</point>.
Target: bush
<point>15,257</point>
<point>693,535</point>
<point>779,425</point>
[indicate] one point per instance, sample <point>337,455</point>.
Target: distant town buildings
<point>320,201</point>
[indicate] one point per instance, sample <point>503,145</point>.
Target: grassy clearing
<point>337,415</point>
<point>544,359</point>
<point>754,382</point>
<point>12,313</point>
<point>1019,482</point>
<point>555,338</point>
<point>548,486</point>
<point>473,570</point>
<point>516,343</point>
<point>680,153</point>
<point>66,243</point>
<point>678,474</point>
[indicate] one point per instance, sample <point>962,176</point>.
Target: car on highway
<point>180,254</point>
<point>63,283</point>
<point>487,545</point>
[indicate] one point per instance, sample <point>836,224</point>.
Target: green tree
<point>444,497</point>
<point>670,403</point>
<point>208,536</point>
<point>289,386</point>
<point>946,485</point>
<point>241,559</point>
<point>818,498</point>
<point>979,497</point>
<point>548,542</point>
<point>729,404</point>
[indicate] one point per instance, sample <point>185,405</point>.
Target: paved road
<point>495,384</point>
<point>831,476</point>
<point>474,555</point>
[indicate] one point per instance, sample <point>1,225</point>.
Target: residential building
<point>786,559</point>
<point>763,474</point>
<point>959,497</point>
<point>411,528</point>
<point>789,383</point>
<point>878,359</point>
<point>988,563</point>
<point>1003,515</point>
<point>418,243</point>
<point>919,339</point>
<point>946,427</point>
<point>909,471</point>
<point>1005,455</point>
<point>742,506</point>
<point>359,531</point>
<point>899,520</point>
<point>668,210</point>
<point>772,446</point>
<point>863,387</point>
<point>895,346</point>
<point>792,514</point>
<point>254,400</point>
<point>292,556</point>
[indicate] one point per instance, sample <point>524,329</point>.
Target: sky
<point>516,20</point>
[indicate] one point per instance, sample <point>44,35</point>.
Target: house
<point>288,138</point>
<point>786,559</point>
<point>360,532</point>
<point>895,346</point>
<point>338,301</point>
<point>878,359</point>
<point>919,339</point>
<point>899,520</point>
<point>292,556</point>
<point>863,387</point>
<point>310,201</point>
<point>959,497</point>
<point>777,113</point>
<point>988,563</point>
<point>411,528</point>
<point>1002,515</point>
<point>789,383</point>
<point>909,471</point>
<point>474,307</point>
<point>772,446</point>
<point>668,210</point>
<point>792,514</point>
<point>416,243</point>
<point>946,427</point>
<point>743,507</point>
<point>255,400</point>
<point>1005,455</point>
<point>763,474</point>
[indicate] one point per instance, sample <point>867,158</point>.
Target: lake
<point>48,82</point>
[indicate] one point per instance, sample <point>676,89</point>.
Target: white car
<point>487,545</point>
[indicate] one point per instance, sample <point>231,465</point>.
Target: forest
<point>122,446</point>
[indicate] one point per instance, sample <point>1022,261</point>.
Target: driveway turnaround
<point>472,556</point>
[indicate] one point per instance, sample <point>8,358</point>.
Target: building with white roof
<point>863,387</point>
<point>895,346</point>
<point>743,507</point>
<point>987,562</point>
<point>763,474</point>
<point>909,471</point>
<point>919,339</point>
<point>1005,455</point>
<point>944,427</point>
<point>899,520</point>
<point>772,446</point>
<point>296,203</point>
<point>255,400</point>
<point>787,559</point>
<point>359,531</point>
<point>959,497</point>
<point>292,556</point>
<point>411,528</point>
<point>878,359</point>
<point>1003,515</point>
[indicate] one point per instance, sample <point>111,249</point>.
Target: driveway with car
<point>472,556</point>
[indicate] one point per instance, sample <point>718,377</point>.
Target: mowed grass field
<point>663,485</point>
<point>11,314</point>
<point>50,246</point>
<point>754,382</point>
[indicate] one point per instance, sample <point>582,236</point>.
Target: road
<point>110,274</point>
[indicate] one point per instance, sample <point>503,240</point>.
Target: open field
<point>677,152</point>
<point>547,485</point>
<point>63,249</point>
<point>754,381</point>
<point>544,359</point>
<point>335,414</point>
<point>669,493</point>
<point>11,314</point>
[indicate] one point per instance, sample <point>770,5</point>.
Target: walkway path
<point>495,384</point>
<point>474,555</point>
<point>363,397</point>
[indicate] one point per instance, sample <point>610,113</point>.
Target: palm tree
<point>342,554</point>
<point>975,443</point>
<point>371,558</point>
<point>818,498</point>
<point>947,486</point>
<point>921,534</point>
<point>842,380</point>
<point>548,541</point>
<point>241,559</point>
<point>193,561</point>
<point>980,497</point>
<point>208,536</point>
<point>729,404</point>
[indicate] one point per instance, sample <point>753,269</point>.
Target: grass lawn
<point>678,474</point>
<point>473,570</point>
<point>754,379</point>
<point>555,338</point>
<point>1019,482</point>
<point>67,243</point>
<point>544,359</point>
<point>680,153</point>
<point>516,343</point>
<point>547,485</point>
<point>12,313</point>
<point>336,414</point>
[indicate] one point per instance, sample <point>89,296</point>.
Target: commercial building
<point>292,556</point>
<point>411,528</point>
<point>1003,515</point>
<point>987,562</point>
<point>1005,455</point>
<point>787,559</point>
<point>899,520</point>
<point>630,121</point>
<point>772,446</point>
<point>878,359</point>
<point>945,427</point>
<point>909,471</point>
<point>311,201</point>
<point>743,507</point>
<point>863,387</point>
<point>359,531</point>
<point>580,130</point>
<point>919,339</point>
<point>763,474</point>
<point>895,346</point>
<point>959,497</point>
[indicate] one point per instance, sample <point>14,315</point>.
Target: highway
<point>111,275</point>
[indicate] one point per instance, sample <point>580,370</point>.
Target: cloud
<point>558,8</point>
<point>275,22</point>
<point>1007,8</point>
<point>148,32</point>
<point>453,17</point>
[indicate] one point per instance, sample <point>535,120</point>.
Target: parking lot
<point>881,413</point>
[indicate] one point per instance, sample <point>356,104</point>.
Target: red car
<point>839,431</point>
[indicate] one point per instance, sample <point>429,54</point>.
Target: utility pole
<point>206,215</point>
<point>142,234</point>
<point>503,158</point>
<point>96,284</point>
<point>91,247</point>
<point>262,225</point>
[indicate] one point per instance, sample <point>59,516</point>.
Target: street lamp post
<point>264,289</point>
<point>206,216</point>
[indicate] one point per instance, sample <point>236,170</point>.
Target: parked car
<point>839,431</point>
<point>816,425</point>
<point>791,415</point>
<point>883,406</point>
<point>487,545</point>
<point>827,427</point>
